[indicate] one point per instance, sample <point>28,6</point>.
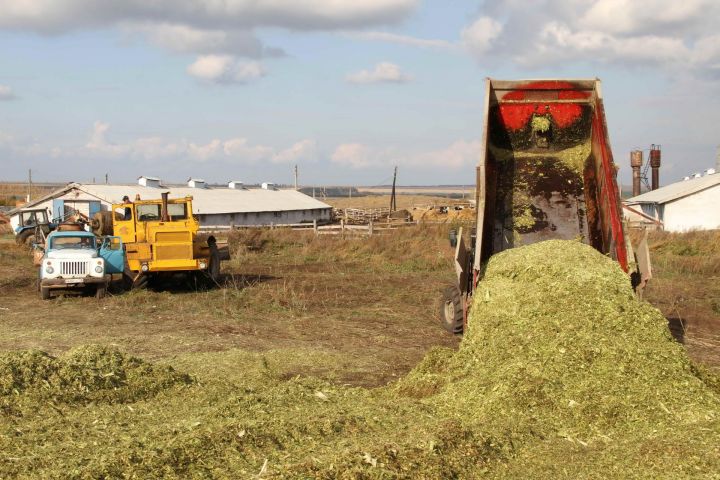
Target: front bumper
<point>74,282</point>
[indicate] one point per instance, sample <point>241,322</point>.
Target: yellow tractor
<point>160,237</point>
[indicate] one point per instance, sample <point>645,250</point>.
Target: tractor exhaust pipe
<point>164,215</point>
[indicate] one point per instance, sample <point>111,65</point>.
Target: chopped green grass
<point>563,374</point>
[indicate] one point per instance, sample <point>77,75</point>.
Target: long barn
<point>226,206</point>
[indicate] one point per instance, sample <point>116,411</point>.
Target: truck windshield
<point>59,243</point>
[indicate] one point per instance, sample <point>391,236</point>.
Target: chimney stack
<point>655,166</point>
<point>636,161</point>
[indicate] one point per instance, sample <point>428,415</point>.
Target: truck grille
<point>73,268</point>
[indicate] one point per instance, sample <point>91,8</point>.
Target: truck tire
<point>451,310</point>
<point>100,291</point>
<point>26,237</point>
<point>45,293</point>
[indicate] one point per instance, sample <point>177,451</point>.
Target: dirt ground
<point>372,314</point>
<point>378,201</point>
<point>367,306</point>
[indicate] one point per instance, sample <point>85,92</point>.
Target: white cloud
<point>225,69</point>
<point>52,16</point>
<point>204,27</point>
<point>401,39</point>
<point>240,148</point>
<point>675,37</point>
<point>384,72</point>
<point>187,39</point>
<point>6,93</point>
<point>479,36</point>
<point>304,150</point>
<point>354,155</point>
<point>460,154</point>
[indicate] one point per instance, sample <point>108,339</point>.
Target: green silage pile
<point>563,374</point>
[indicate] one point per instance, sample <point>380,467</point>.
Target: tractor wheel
<point>45,293</point>
<point>134,280</point>
<point>26,237</point>
<point>214,267</point>
<point>100,291</point>
<point>451,310</point>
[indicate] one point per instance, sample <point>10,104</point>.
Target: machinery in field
<point>31,222</point>
<point>545,172</point>
<point>75,259</point>
<point>160,237</point>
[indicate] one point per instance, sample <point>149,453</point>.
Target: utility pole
<point>29,194</point>
<point>106,179</point>
<point>296,178</point>
<point>393,202</point>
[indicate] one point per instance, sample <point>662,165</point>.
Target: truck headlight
<point>202,264</point>
<point>144,267</point>
<point>99,269</point>
<point>49,269</point>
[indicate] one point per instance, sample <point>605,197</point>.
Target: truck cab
<point>75,260</point>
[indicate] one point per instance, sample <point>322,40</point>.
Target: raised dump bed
<point>545,172</point>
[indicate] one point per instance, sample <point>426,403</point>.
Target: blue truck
<point>78,260</point>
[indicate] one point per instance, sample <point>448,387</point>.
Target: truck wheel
<point>100,291</point>
<point>26,237</point>
<point>451,310</point>
<point>45,293</point>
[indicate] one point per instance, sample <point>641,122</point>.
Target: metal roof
<point>674,191</point>
<point>213,200</point>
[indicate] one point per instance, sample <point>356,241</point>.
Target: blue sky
<point>246,89</point>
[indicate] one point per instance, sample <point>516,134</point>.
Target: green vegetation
<point>540,124</point>
<point>573,157</point>
<point>562,375</point>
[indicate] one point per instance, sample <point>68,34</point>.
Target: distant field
<point>455,190</point>
<point>378,201</point>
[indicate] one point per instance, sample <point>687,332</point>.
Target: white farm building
<point>231,205</point>
<point>692,204</point>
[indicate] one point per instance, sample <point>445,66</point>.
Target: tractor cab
<point>28,222</point>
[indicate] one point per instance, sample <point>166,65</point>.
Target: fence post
<point>370,228</point>
<point>342,226</point>
<point>315,226</point>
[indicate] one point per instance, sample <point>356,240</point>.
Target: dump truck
<point>77,260</point>
<point>161,237</point>
<point>545,172</point>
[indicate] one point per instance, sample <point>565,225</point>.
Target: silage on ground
<point>563,373</point>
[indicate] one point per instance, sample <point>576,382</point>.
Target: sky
<point>344,89</point>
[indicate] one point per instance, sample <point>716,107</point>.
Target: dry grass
<point>369,304</point>
<point>379,201</point>
<point>16,193</point>
<point>686,288</point>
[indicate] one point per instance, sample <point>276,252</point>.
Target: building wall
<point>264,218</point>
<point>79,200</point>
<point>699,211</point>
